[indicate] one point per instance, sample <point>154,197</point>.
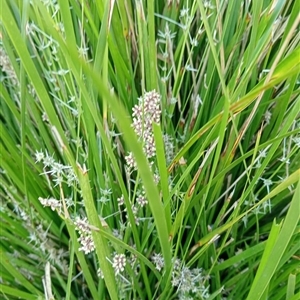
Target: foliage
<point>149,149</point>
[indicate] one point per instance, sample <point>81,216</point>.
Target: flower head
<point>144,115</point>
<point>119,263</point>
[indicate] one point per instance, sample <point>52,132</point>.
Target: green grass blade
<point>274,255</point>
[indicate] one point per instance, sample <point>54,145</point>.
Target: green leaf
<point>273,255</point>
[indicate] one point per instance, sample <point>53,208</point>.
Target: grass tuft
<point>149,149</point>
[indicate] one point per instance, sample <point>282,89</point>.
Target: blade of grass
<point>290,289</point>
<point>162,167</point>
<point>102,249</point>
<point>273,256</point>
<point>11,291</point>
<point>282,186</point>
<point>5,262</point>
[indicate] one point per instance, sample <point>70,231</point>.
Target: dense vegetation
<point>149,149</point>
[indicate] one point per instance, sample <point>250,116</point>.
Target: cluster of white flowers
<point>158,261</point>
<point>58,172</point>
<point>119,263</point>
<point>37,235</point>
<point>169,148</point>
<point>7,67</point>
<point>85,235</point>
<point>51,202</point>
<point>144,115</point>
<point>187,281</point>
<point>140,202</point>
<point>100,273</point>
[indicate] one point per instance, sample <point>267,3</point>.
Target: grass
<point>149,150</point>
